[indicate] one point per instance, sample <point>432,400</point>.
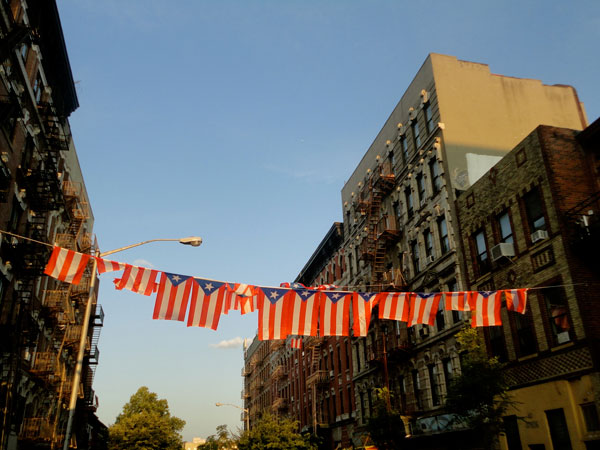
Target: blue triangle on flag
<point>274,294</point>
<point>176,279</point>
<point>305,294</point>
<point>208,286</point>
<point>334,296</point>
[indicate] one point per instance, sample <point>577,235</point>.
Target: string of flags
<point>291,309</point>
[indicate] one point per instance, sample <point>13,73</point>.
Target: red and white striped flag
<point>423,308</point>
<point>172,298</point>
<point>485,307</point>
<point>304,311</point>
<point>457,301</point>
<point>394,305</point>
<point>241,297</point>
<point>106,265</point>
<point>66,265</point>
<point>335,313</point>
<point>206,303</point>
<point>516,300</point>
<point>273,320</point>
<point>326,287</point>
<point>362,305</point>
<point>140,280</point>
<point>296,342</point>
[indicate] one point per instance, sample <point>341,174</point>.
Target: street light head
<point>194,241</point>
<point>218,404</point>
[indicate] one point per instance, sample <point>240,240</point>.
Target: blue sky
<point>239,121</point>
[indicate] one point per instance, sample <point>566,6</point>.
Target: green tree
<point>274,433</point>
<point>223,440</point>
<point>146,424</point>
<point>385,425</point>
<point>479,395</point>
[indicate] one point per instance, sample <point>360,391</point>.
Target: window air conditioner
<point>430,259</point>
<point>539,235</point>
<point>424,332</point>
<point>502,249</point>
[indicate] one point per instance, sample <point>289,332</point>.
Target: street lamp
<point>194,241</point>
<point>244,410</point>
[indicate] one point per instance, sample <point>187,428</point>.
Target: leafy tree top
<point>274,433</point>
<point>146,423</point>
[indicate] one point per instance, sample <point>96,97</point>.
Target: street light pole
<point>244,410</point>
<point>193,241</point>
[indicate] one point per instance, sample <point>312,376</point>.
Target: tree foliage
<point>274,433</point>
<point>147,424</point>
<point>479,395</point>
<point>223,440</point>
<point>385,425</point>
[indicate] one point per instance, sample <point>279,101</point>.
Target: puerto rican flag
<point>335,313</point>
<point>423,308</point>
<point>241,297</point>
<point>272,318</point>
<point>293,285</point>
<point>457,301</point>
<point>296,342</point>
<point>395,305</point>
<point>206,303</point>
<point>362,305</point>
<point>304,311</point>
<point>106,265</point>
<point>516,300</point>
<point>485,307</point>
<point>172,298</point>
<point>138,279</point>
<point>66,265</point>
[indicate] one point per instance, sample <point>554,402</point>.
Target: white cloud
<point>231,343</point>
<point>143,263</point>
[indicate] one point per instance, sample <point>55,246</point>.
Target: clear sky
<point>239,121</point>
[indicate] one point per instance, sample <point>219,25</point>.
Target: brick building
<point>42,197</point>
<point>312,385</point>
<point>531,221</point>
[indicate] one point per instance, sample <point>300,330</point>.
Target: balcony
<point>280,404</point>
<point>584,220</point>
<point>387,228</point>
<point>279,372</point>
<point>318,378</point>
<point>36,429</point>
<point>44,364</point>
<point>384,178</point>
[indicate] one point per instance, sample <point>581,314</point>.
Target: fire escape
<point>381,228</point>
<point>317,380</point>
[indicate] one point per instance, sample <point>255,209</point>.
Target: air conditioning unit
<point>539,235</point>
<point>430,259</point>
<point>424,331</point>
<point>502,249</point>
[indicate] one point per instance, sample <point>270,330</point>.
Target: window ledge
<point>562,346</point>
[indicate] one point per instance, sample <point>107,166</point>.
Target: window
<point>428,117</point>
<point>404,144</point>
<point>526,342</point>
<point>559,432</point>
<point>414,247</point>
<point>409,201</point>
<point>482,259</point>
<point>38,87</point>
<point>590,416</point>
<point>558,314</point>
<point>448,370</point>
<point>428,238</point>
<point>435,394</point>
<point>496,340</point>
<point>416,387</point>
<point>436,176</point>
<point>416,134</point>
<point>440,318</point>
<point>421,188</point>
<point>534,210</point>
<point>443,231</point>
<point>506,233</point>
<point>511,428</point>
<point>24,51</point>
